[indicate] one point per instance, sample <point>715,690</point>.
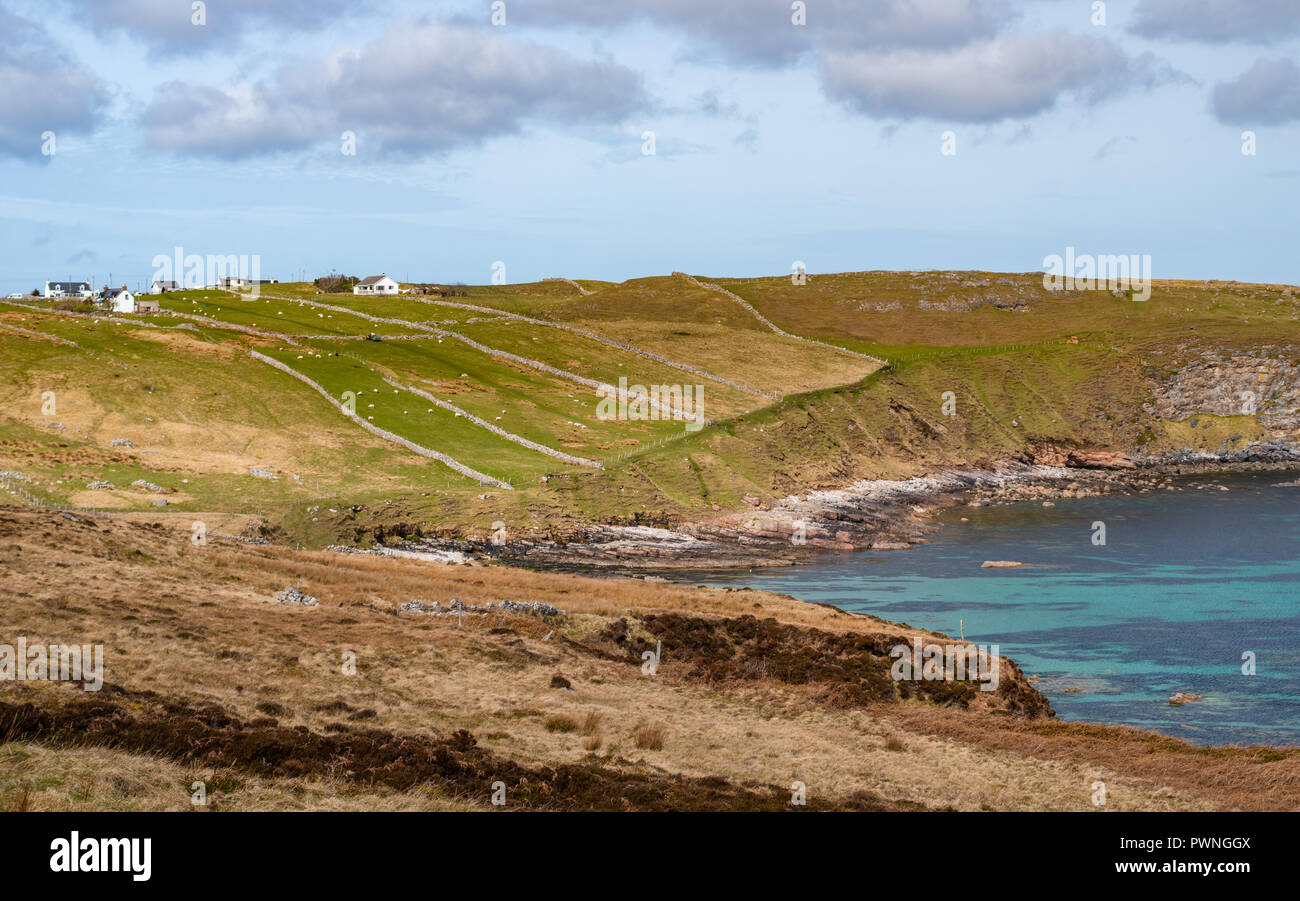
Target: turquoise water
<point>1187,582</point>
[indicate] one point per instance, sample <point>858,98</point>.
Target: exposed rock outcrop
<point>1265,383</point>
<point>292,595</point>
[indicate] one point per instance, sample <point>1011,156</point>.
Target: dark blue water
<point>1187,583</point>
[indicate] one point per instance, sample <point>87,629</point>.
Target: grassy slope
<point>853,308</point>
<point>205,411</point>
<point>1000,347</point>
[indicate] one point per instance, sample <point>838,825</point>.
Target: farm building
<point>375,284</point>
<point>244,282</point>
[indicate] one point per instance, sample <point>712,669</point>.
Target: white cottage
<point>118,300</point>
<point>58,290</point>
<point>375,284</point>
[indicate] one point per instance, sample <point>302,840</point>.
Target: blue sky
<point>522,143</point>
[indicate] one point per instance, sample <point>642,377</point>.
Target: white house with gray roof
<point>67,289</point>
<point>376,284</point>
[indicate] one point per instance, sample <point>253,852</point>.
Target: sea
<point>1124,601</point>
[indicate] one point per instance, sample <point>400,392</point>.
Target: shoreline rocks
<point>867,515</point>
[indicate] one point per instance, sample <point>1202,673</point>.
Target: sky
<point>448,141</point>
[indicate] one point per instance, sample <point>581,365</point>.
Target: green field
<point>208,422</point>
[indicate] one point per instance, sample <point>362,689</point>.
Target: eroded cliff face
<point>1265,383</point>
<point>1237,399</point>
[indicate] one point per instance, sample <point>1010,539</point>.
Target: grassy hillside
<point>222,432</point>
<point>898,313</point>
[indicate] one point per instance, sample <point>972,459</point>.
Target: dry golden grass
<point>344,580</point>
<point>199,625</point>
<point>1230,778</point>
<point>182,428</point>
<point>591,722</point>
<point>748,360</point>
<point>561,722</point>
<point>36,778</point>
<point>649,736</point>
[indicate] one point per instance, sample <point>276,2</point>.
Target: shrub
<point>336,284</point>
<point>591,723</point>
<point>561,722</point>
<point>649,736</point>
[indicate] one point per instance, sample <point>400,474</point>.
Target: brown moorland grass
<point>40,778</point>
<point>196,629</point>
<point>561,722</point>
<point>649,736</point>
<point>1256,777</point>
<point>373,757</point>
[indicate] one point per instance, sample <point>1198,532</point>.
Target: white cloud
<point>1268,93</point>
<point>1218,21</point>
<point>425,88</point>
<point>42,89</point>
<point>168,26</point>
<point>1011,77</point>
<point>763,33</point>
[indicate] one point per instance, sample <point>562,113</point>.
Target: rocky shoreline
<point>872,514</point>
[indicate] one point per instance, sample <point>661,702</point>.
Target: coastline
<point>893,514</point>
<point>876,514</point>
